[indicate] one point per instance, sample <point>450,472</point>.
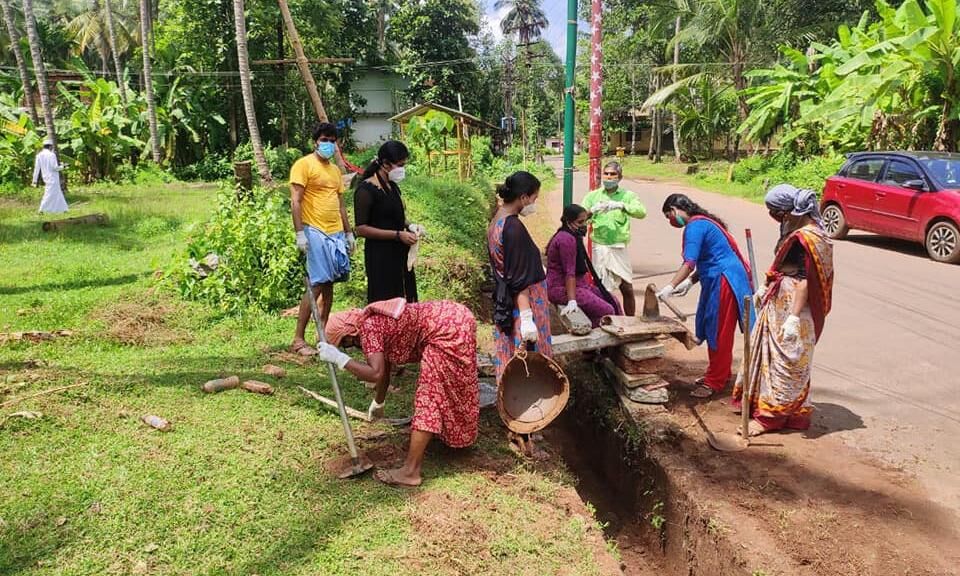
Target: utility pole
<point>676,63</point>
<point>596,93</point>
<point>633,109</point>
<point>568,114</point>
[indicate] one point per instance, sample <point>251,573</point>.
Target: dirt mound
<point>142,324</point>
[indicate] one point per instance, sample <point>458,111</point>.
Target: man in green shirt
<point>612,207</point>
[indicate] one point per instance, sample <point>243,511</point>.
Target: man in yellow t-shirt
<point>322,226</point>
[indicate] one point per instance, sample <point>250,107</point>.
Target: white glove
<point>601,207</point>
<point>615,205</point>
<point>330,353</point>
<point>528,330</point>
<point>759,295</point>
<point>683,287</point>
<point>351,243</point>
<point>790,330</point>
<point>570,308</point>
<point>375,410</point>
<point>302,243</point>
<point>665,292</point>
<point>417,229</point>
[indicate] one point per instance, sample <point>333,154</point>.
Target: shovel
<point>725,441</point>
<point>358,463</point>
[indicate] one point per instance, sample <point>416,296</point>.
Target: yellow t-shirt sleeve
<point>298,173</point>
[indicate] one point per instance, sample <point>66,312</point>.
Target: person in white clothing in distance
<point>47,166</point>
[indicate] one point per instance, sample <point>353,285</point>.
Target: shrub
<point>785,167</point>
<point>259,265</point>
<point>278,159</point>
<point>210,168</point>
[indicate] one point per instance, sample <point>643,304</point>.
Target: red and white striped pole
<point>596,93</point>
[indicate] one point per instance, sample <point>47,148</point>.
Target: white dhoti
<point>47,166</point>
<point>612,264</point>
<point>53,201</point>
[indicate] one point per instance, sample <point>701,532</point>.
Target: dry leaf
<point>151,548</point>
<point>61,521</point>
<point>95,508</point>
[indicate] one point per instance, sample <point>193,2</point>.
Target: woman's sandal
<point>387,477</point>
<point>701,390</point>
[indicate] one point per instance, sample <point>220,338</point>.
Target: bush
<point>785,167</point>
<point>260,267</point>
<point>210,168</point>
<point>145,173</point>
<point>278,159</point>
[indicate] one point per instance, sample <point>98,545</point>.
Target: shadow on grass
<point>31,547</point>
<point>74,284</point>
<point>125,231</point>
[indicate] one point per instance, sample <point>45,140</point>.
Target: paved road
<point>887,369</point>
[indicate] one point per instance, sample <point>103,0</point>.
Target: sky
<point>556,32</point>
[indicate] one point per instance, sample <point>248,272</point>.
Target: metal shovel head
<point>727,442</point>
<point>344,467</point>
<point>651,306</point>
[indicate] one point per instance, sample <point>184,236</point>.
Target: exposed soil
<point>141,324</point>
<point>800,503</point>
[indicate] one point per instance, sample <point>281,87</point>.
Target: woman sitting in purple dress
<point>567,268</point>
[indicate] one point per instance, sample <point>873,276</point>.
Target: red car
<point>910,195</point>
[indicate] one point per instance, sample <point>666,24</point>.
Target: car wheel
<point>943,242</point>
<point>834,222</point>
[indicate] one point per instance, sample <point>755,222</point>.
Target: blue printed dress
<point>522,247</point>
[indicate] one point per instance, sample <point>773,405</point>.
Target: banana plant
<point>428,132</point>
<point>96,134</point>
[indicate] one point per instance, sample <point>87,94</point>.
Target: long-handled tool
<point>651,308</point>
<point>358,463</point>
<point>726,442</point>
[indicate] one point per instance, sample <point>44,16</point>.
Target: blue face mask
<point>326,149</point>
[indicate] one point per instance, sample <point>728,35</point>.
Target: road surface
<point>886,378</point>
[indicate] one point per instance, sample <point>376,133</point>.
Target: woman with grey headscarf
<point>792,306</point>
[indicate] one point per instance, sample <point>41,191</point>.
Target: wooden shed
<point>465,126</point>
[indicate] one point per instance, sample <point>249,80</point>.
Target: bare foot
<point>754,428</point>
<point>301,348</point>
<point>397,477</point>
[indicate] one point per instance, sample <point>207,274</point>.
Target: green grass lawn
<point>239,485</point>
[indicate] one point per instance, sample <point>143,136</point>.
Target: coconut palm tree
<point>39,70</point>
<point>148,80</point>
<point>112,40</point>
<point>243,64</point>
<point>14,34</point>
<point>525,19</point>
<point>736,29</point>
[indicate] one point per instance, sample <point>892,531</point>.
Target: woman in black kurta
<point>381,220</point>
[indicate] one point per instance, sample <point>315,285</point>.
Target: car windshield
<point>945,172</point>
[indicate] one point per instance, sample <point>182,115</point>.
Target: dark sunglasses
<point>326,139</point>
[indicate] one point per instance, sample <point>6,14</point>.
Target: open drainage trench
<point>656,528</point>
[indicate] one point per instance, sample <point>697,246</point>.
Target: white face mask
<point>397,174</point>
<point>529,210</point>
